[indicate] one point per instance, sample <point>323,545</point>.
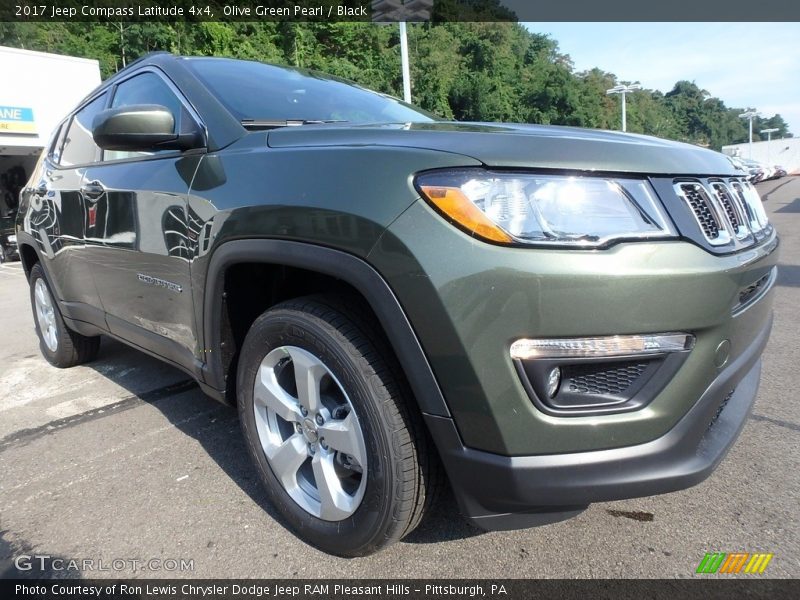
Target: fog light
<point>553,381</point>
<point>598,375</point>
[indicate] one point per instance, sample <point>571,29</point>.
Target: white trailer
<point>37,90</point>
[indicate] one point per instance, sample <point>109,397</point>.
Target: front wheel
<point>336,441</point>
<point>60,345</point>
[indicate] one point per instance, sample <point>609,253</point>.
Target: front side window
<point>79,147</point>
<point>147,88</point>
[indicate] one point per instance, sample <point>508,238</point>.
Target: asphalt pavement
<point>124,467</point>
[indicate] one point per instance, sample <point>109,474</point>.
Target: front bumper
<point>509,492</point>
<point>469,301</point>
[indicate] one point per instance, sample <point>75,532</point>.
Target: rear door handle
<point>93,190</point>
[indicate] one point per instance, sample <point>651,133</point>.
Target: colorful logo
<point>14,119</point>
<point>734,562</point>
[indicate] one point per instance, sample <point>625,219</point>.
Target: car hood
<point>527,146</point>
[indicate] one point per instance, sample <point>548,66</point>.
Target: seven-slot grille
<point>703,210</point>
<point>726,200</point>
<point>727,210</point>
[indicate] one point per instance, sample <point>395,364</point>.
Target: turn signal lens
<point>456,206</point>
<point>616,345</point>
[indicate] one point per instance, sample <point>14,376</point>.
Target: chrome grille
<point>700,203</point>
<point>726,200</point>
<point>728,211</point>
<point>752,220</point>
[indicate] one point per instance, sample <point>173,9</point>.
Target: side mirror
<point>142,128</point>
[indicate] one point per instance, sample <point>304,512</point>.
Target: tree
<point>774,122</point>
<point>477,71</point>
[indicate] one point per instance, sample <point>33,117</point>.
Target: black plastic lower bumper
<point>509,492</point>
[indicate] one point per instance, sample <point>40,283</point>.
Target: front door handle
<point>93,190</point>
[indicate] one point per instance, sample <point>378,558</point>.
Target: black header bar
<point>700,588</point>
<point>399,10</point>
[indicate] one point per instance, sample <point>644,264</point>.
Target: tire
<point>60,345</point>
<point>377,466</point>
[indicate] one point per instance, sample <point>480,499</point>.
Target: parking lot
<point>124,462</point>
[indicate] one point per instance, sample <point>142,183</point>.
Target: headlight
<point>511,208</point>
<point>12,239</point>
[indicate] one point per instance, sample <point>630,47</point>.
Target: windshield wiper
<point>270,124</point>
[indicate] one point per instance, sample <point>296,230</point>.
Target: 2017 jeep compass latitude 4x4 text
<point>544,316</point>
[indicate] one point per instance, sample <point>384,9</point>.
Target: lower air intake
<point>722,406</point>
<point>607,378</point>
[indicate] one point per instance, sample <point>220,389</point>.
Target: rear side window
<point>79,147</point>
<point>54,151</point>
<point>147,88</point>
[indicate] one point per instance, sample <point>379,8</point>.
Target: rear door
<point>58,214</point>
<point>138,232</point>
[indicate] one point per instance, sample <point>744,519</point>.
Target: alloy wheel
<point>310,433</point>
<point>46,315</point>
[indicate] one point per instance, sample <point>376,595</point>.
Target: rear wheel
<point>60,345</point>
<point>329,425</point>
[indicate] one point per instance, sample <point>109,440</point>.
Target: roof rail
<point>143,57</point>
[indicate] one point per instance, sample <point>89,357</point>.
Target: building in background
<point>784,152</point>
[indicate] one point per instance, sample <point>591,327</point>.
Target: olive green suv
<point>545,317</point>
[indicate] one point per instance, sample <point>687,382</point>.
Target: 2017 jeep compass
<point>546,316</point>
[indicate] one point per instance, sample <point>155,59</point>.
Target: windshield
<point>260,92</point>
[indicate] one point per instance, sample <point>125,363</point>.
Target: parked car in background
<point>550,316</point>
<point>8,240</point>
<point>756,171</point>
<point>738,164</point>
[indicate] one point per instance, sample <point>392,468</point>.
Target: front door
<point>137,230</point>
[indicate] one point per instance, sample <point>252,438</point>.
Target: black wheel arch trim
<point>26,239</point>
<point>335,263</point>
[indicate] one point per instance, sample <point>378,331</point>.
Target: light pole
<point>404,60</point>
<point>750,114</point>
<point>769,133</point>
<point>623,90</point>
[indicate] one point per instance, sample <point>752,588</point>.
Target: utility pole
<point>121,27</point>
<point>404,60</point>
<point>750,114</point>
<point>769,133</point>
<point>623,90</point>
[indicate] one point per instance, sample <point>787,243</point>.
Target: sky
<point>744,64</point>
